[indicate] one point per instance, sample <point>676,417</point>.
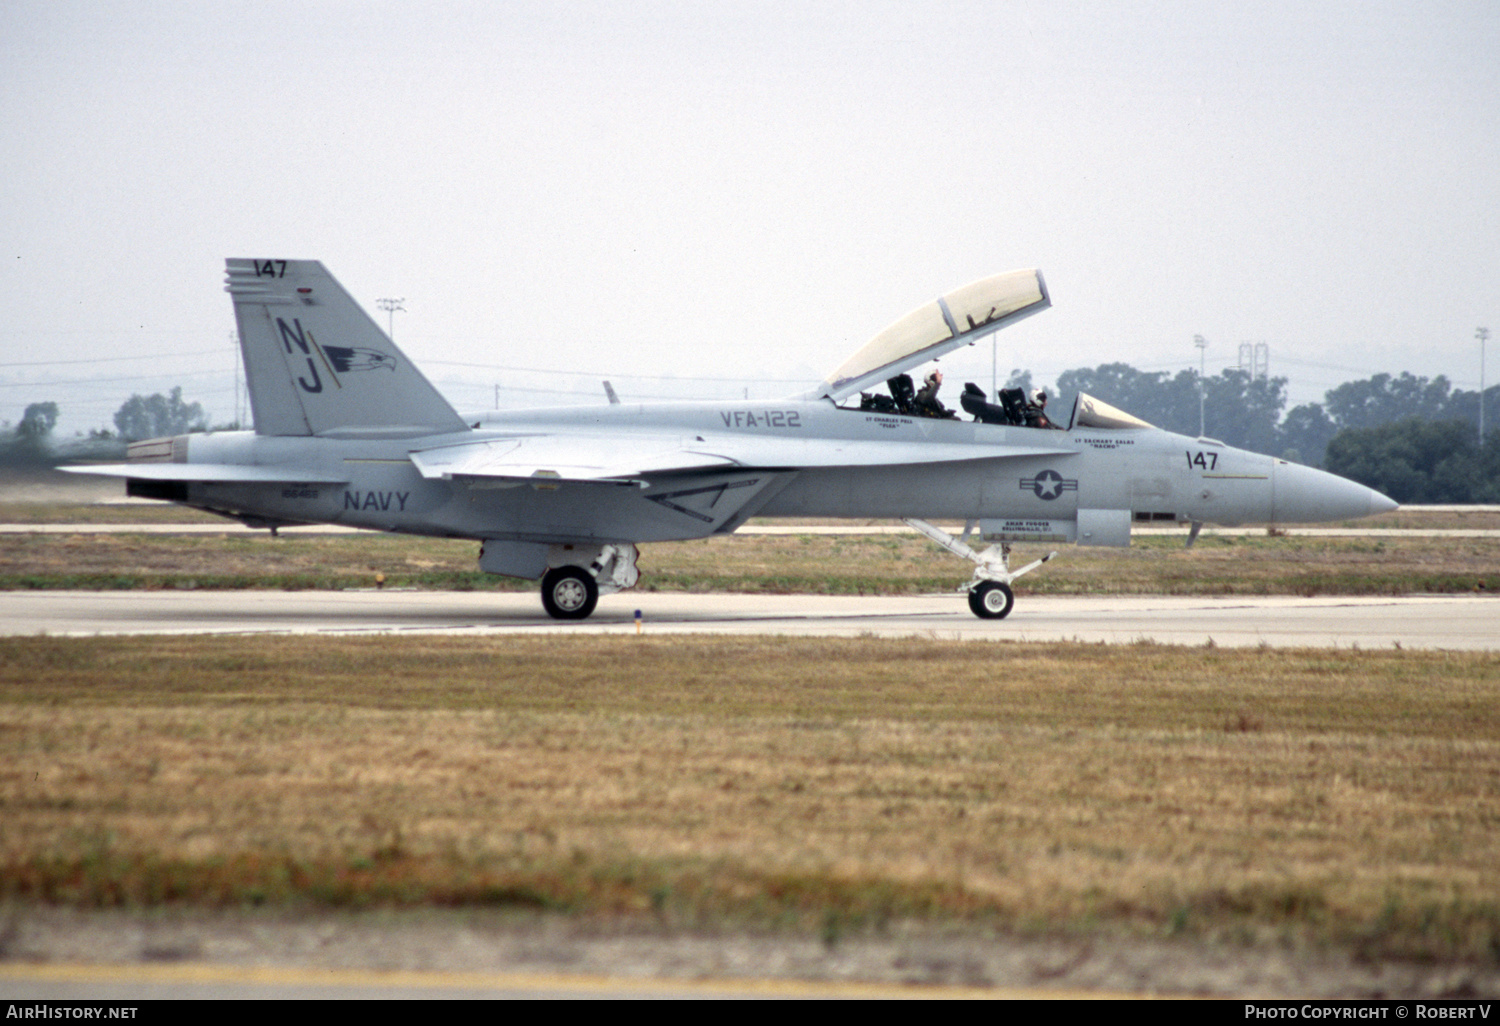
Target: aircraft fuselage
<point>1114,476</point>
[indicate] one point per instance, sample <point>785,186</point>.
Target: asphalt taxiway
<point>1457,622</point>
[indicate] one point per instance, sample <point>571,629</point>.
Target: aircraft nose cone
<point>1307,496</point>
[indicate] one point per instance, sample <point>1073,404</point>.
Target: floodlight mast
<point>1202,344</point>
<point>1483,335</point>
<point>391,307</point>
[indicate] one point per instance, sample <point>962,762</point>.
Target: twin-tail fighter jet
<point>348,431</point>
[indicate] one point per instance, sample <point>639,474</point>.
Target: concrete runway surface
<point>1432,622</point>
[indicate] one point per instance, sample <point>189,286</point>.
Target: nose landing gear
<point>990,595</point>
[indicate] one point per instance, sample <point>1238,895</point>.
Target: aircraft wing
<point>607,459</point>
<point>959,318</point>
<point>626,459</point>
<point>222,472</point>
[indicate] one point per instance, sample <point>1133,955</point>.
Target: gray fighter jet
<point>348,431</point>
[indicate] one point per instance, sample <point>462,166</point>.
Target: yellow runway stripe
<point>208,975</point>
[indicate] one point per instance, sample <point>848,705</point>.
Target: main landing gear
<point>570,591</point>
<point>990,597</point>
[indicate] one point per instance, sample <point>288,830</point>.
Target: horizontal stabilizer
<point>217,472</point>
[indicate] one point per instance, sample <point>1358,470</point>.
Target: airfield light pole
<point>234,340</point>
<point>1483,335</point>
<point>391,307</point>
<point>1202,344</point>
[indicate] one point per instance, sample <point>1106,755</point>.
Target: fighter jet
<point>348,431</point>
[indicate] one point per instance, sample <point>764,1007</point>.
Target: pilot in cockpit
<point>1036,411</point>
<point>927,404</point>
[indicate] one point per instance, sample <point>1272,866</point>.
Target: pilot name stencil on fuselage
<point>1027,526</point>
<point>767,418</point>
<point>376,500</point>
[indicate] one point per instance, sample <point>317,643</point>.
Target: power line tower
<point>391,308</point>
<point>1255,359</point>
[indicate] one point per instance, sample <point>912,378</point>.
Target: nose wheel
<point>991,600</point>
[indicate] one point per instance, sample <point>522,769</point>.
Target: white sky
<point>747,191</point>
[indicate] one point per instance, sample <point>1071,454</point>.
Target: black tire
<point>992,600</point>
<point>569,593</point>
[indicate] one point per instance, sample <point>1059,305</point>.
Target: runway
<point>1455,622</point>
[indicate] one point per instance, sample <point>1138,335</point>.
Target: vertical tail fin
<point>316,363</point>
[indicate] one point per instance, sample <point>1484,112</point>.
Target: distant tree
<point>1418,461</point>
<point>1464,405</point>
<point>158,415</point>
<point>1305,434</point>
<point>1244,410</point>
<point>38,420</point>
<point>1019,379</point>
<point>1383,399</point>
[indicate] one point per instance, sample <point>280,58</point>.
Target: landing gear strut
<point>990,596</point>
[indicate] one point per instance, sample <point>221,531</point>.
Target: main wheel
<point>991,600</point>
<point>569,593</point>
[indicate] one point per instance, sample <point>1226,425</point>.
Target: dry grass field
<point>1332,800</point>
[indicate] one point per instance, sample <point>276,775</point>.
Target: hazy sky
<point>747,191</point>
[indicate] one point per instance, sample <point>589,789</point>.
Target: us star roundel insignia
<point>1048,485</point>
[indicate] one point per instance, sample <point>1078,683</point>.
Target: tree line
<point>140,416</point>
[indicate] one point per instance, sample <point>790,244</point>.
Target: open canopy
<point>959,318</point>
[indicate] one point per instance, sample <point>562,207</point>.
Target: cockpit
<point>1014,409</point>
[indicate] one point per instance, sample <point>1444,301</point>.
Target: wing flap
<point>611,459</point>
<point>219,472</point>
